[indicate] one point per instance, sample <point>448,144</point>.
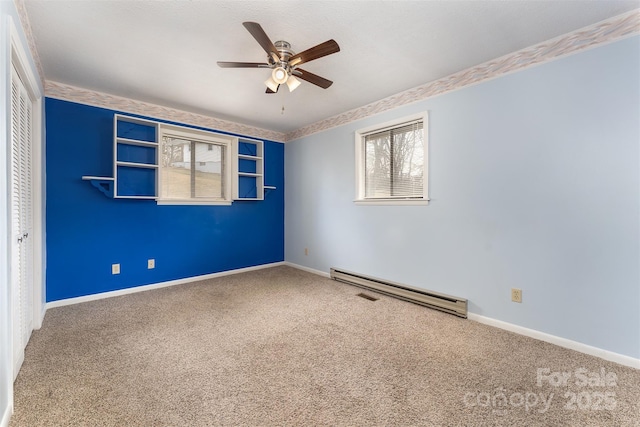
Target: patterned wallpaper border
<point>104,100</point>
<point>26,26</point>
<point>607,31</point>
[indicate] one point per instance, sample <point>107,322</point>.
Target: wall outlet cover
<point>516,295</point>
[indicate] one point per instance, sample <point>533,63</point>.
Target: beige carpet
<point>284,347</point>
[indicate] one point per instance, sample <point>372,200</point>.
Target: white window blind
<point>394,161</point>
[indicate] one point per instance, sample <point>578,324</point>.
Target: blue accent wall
<point>87,231</point>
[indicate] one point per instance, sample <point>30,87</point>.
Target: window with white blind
<point>391,162</point>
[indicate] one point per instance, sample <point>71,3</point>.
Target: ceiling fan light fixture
<point>282,61</point>
<point>293,83</point>
<point>271,84</point>
<point>279,75</point>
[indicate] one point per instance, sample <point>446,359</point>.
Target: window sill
<point>391,202</point>
<point>193,202</point>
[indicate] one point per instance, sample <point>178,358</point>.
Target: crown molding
<point>26,27</point>
<point>104,100</point>
<point>607,31</point>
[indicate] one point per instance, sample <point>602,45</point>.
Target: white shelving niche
<point>136,156</point>
<point>135,151</point>
<point>249,171</point>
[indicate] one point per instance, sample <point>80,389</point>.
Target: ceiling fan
<point>284,62</point>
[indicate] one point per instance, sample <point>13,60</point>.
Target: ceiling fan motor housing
<point>284,48</point>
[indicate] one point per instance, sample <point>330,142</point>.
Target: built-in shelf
<point>135,153</point>
<point>137,197</point>
<point>97,178</point>
<point>249,184</point>
<point>248,157</point>
<point>136,142</point>
<point>136,165</point>
<point>136,156</point>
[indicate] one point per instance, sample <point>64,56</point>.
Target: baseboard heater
<point>438,301</point>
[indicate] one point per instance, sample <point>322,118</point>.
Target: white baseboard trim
<point>4,422</point>
<point>532,333</point>
<point>307,269</point>
<point>93,297</point>
<point>559,341</point>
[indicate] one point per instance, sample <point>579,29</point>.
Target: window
<point>194,167</point>
<point>391,162</point>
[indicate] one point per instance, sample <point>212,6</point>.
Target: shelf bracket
<point>104,184</point>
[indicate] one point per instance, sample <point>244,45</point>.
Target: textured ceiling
<point>165,52</point>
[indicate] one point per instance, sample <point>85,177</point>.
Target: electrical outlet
<point>151,264</point>
<point>115,268</point>
<point>306,251</point>
<point>516,295</point>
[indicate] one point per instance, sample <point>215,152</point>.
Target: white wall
<point>534,183</point>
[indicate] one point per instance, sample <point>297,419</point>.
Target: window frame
<point>360,167</point>
<point>196,135</point>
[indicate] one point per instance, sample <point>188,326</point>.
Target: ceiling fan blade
<point>312,78</point>
<point>270,91</point>
<point>224,64</point>
<point>261,37</point>
<point>323,49</point>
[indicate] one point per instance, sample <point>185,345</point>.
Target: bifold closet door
<point>21,218</point>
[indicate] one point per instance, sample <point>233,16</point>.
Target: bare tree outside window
<point>173,150</point>
<point>394,162</point>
